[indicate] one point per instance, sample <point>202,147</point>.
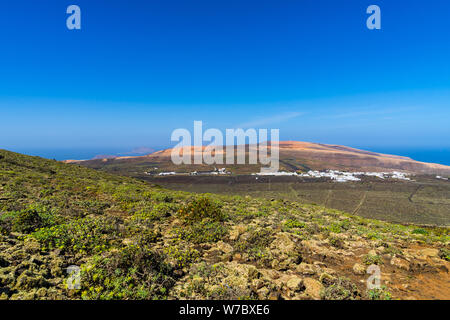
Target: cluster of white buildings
<point>335,175</point>
<point>278,173</point>
<point>442,178</point>
<point>216,171</point>
<point>221,171</point>
<point>167,173</point>
<point>340,176</point>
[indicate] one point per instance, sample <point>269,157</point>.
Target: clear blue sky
<point>139,69</point>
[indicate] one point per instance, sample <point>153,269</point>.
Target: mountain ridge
<point>299,156</point>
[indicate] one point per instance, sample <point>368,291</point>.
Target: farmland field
<point>425,201</point>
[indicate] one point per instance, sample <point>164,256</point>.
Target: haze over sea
<point>138,70</point>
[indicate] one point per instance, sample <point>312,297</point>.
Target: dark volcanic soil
<point>425,201</point>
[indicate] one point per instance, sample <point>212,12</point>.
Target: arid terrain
<point>135,240</point>
<point>294,156</point>
<point>422,200</point>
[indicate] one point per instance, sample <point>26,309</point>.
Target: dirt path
<point>410,198</point>
<point>329,193</point>
<point>363,198</point>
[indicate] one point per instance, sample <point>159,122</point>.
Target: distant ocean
<point>441,156</point>
<point>73,154</point>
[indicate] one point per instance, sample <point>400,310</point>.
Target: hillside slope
<point>294,156</point>
<point>136,241</point>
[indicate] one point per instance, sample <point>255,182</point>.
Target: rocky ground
<point>331,266</point>
<point>267,257</point>
<point>136,241</point>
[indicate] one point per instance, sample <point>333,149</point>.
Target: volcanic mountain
<point>294,156</point>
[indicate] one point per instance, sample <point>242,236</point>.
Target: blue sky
<point>140,69</point>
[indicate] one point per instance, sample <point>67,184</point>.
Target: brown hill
<point>294,156</point>
<point>323,156</point>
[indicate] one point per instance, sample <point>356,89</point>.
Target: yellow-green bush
<point>134,272</point>
<point>78,236</point>
<point>200,208</point>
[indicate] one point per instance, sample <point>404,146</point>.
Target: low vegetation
<point>134,240</point>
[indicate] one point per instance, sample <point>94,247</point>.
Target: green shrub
<point>392,250</point>
<point>141,232</point>
<point>147,236</point>
<point>78,236</point>
<point>161,197</point>
<point>27,220</point>
<point>370,259</point>
<point>182,257</point>
<point>341,289</point>
<point>337,242</point>
<point>5,223</point>
<point>336,228</point>
<point>420,231</point>
<point>202,232</point>
<point>255,238</point>
<point>164,209</point>
<point>372,235</point>
<point>339,227</point>
<point>157,212</point>
<point>379,294</point>
<point>200,208</point>
<point>126,194</point>
<point>444,254</point>
<point>294,224</point>
<point>133,272</point>
<point>255,244</point>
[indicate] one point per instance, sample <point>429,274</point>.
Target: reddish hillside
<point>295,155</point>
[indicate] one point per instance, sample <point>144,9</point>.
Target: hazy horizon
<point>136,71</point>
<point>436,155</point>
